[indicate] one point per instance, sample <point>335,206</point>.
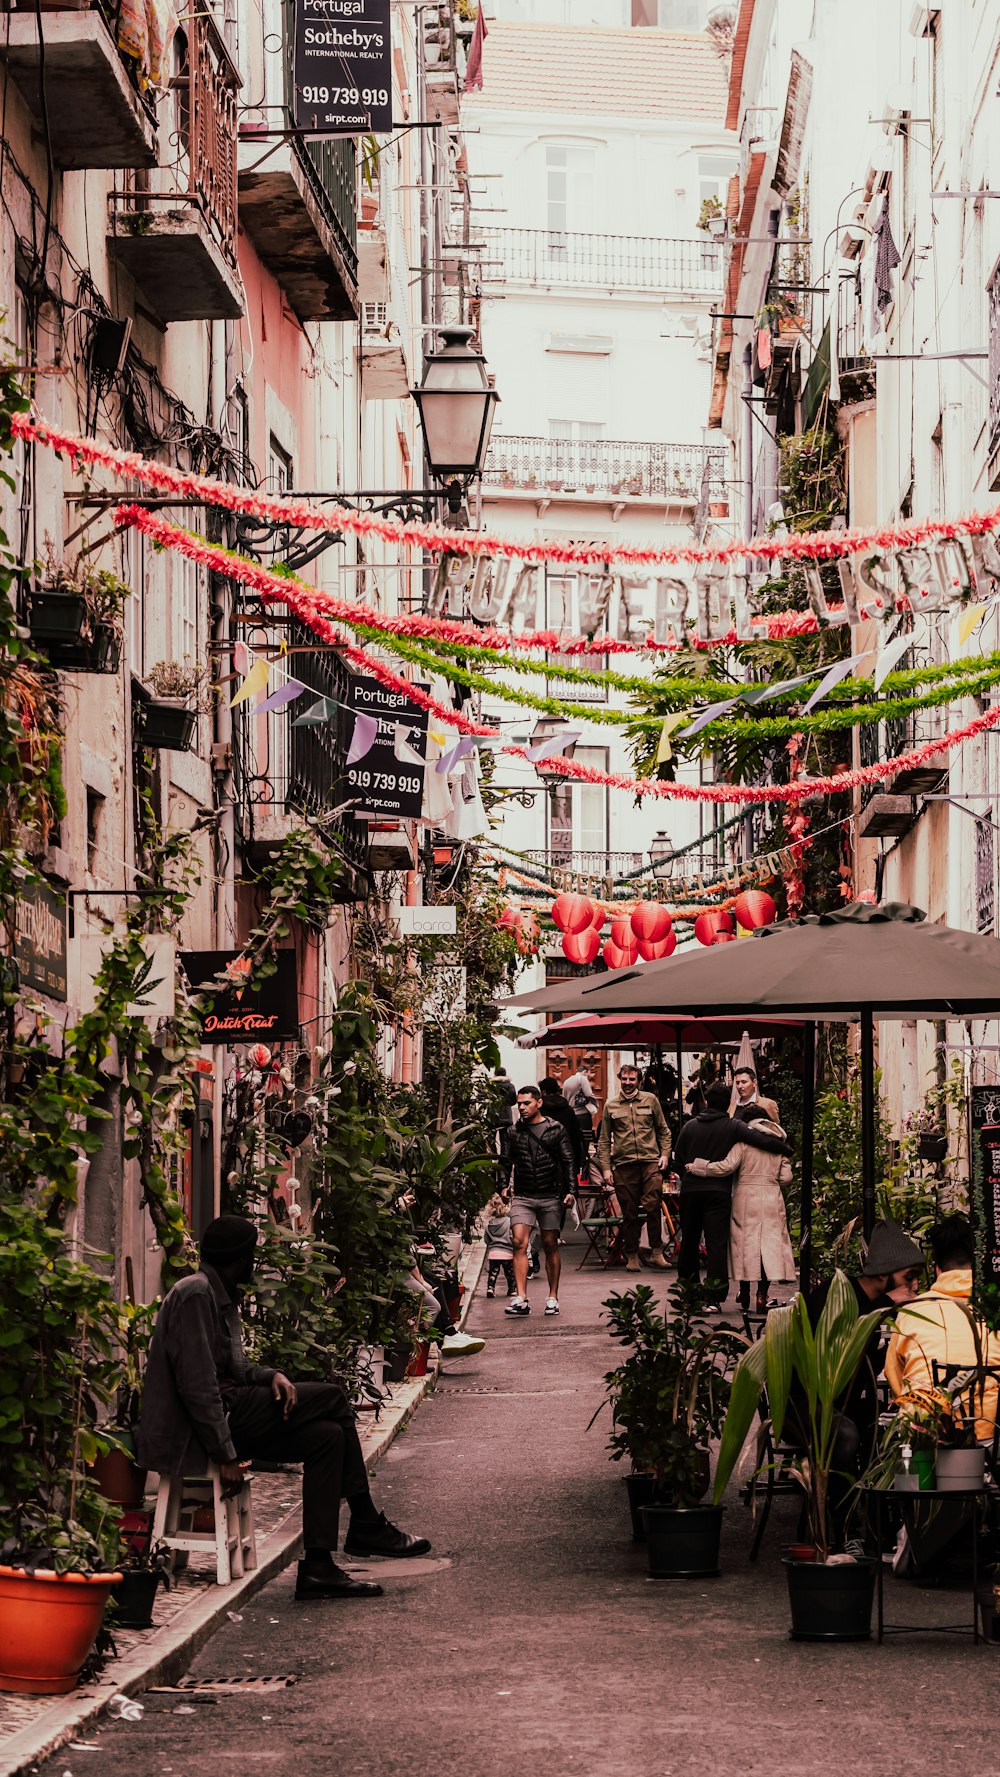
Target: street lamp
<point>456,403</point>
<point>660,851</point>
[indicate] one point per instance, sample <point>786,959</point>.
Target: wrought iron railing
<point>612,261</point>
<point>281,769</point>
<point>852,352</point>
<point>601,466</point>
<point>590,863</point>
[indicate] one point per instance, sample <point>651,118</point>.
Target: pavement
<point>531,1639</point>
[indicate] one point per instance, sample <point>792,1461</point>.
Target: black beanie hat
<point>226,1239</point>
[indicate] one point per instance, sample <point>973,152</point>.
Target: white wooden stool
<point>179,1497</point>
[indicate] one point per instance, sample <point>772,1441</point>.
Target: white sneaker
<point>552,1305</point>
<point>518,1305</point>
<point>460,1345</point>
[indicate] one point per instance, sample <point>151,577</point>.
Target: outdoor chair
<point>777,1460</point>
<point>603,1232</point>
<point>185,1502</point>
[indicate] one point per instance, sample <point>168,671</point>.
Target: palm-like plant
<point>824,1362</point>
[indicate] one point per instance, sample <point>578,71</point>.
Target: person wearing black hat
<point>203,1401</point>
<point>890,1276</point>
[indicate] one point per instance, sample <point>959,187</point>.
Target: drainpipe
<point>747,441</point>
<point>406,1046</point>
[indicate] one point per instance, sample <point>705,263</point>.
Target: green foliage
<point>669,1396</point>
<point>823,1362</point>
<point>58,1375</point>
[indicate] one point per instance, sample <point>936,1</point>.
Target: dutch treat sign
<point>343,67</point>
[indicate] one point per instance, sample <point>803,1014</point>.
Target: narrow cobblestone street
<point>531,1638</point>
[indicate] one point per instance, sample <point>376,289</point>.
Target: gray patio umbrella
<point>858,962</point>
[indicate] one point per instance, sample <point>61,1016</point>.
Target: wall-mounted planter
<point>167,725</point>
<point>57,618</point>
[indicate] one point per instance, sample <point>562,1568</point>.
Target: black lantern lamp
<point>661,852</point>
<point>456,404</point>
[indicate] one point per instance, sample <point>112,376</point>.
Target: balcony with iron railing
<point>298,198</point>
<point>98,107</point>
<point>601,469</point>
<point>282,771</point>
<point>174,230</point>
<point>609,262</point>
<point>590,863</point>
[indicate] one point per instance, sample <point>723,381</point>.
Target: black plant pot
<point>107,649</point>
<point>166,725</point>
<point>831,1603</point>
<point>682,1542</point>
<point>134,1596</point>
<point>57,617</point>
<point>932,1147</point>
<point>643,1490</point>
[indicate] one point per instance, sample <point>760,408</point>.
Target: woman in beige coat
<point>759,1247</point>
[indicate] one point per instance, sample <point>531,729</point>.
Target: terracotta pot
<point>119,1479</point>
<point>48,1625</point>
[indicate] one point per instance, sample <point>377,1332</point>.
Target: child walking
<point>499,1246</point>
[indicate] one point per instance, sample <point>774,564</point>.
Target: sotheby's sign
<point>343,67</point>
<point>243,1007</point>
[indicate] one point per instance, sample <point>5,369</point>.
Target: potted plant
<point>76,614</point>
<point>58,1537</point>
<point>143,1571</point>
<point>115,1470</point>
<point>831,1598</point>
<point>168,709</point>
<point>668,1400</point>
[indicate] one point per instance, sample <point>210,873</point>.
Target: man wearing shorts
<point>544,1180</point>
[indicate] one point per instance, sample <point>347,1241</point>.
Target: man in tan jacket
<point>633,1153</point>
<point>747,1096</point>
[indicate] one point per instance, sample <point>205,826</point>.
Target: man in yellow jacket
<point>936,1328</point>
<point>633,1153</point>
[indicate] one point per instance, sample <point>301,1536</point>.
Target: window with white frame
<point>577,604</point>
<point>570,186</point>
<point>590,824</point>
<point>714,173</point>
<point>669,15</point>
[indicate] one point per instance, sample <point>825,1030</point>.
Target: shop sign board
<point>40,946</point>
<point>984,1132</point>
<point>248,1009</point>
<point>382,784</point>
<point>427,922</point>
<point>343,67</point>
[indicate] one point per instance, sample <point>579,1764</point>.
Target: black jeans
<point>705,1212</point>
<point>321,1434</point>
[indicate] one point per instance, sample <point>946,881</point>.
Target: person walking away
<point>544,1181</point>
<point>555,1106</point>
<point>633,1153</point>
<point>202,1401</point>
<point>499,1246</point>
<point>579,1095</point>
<point>759,1246</point>
<point>705,1204</point>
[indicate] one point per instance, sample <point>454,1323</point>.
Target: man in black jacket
<point>544,1180</point>
<point>554,1105</point>
<point>706,1202</point>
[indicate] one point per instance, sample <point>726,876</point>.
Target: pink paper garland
<point>437,539</point>
<point>305,606</point>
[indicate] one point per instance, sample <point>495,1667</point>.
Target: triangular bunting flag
<point>674,720</point>
<point>282,697</point>
<point>253,684</point>
<point>402,745</point>
<point>323,710</point>
<point>839,670</point>
<point>363,738</point>
<point>888,657</point>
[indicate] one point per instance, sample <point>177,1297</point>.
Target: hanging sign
<point>40,946</point>
<point>381,782</point>
<point>984,1149</point>
<point>246,1008</point>
<point>343,67</point>
<point>426,922</point>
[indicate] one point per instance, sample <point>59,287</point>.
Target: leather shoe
<point>383,1538</point>
<point>332,1582</point>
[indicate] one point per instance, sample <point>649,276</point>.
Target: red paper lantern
<point>754,909</point>
<point>651,951</point>
<point>624,938</point>
<point>572,913</point>
<point>600,918</point>
<point>510,920</point>
<point>651,923</point>
<point>582,947</point>
<point>614,956</point>
<point>709,927</point>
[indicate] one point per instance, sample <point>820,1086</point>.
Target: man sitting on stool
<point>204,1402</point>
